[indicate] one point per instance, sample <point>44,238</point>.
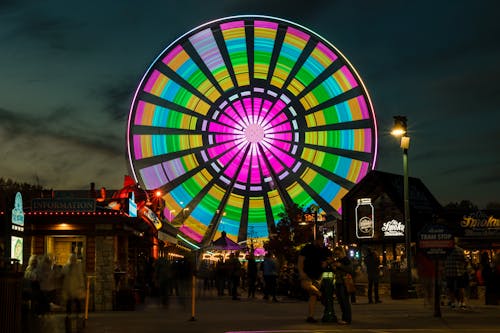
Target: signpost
<point>437,241</point>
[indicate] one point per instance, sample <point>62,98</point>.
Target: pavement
<point>212,314</point>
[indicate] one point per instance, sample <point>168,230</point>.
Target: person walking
<point>343,268</point>
<point>49,277</point>
<point>32,292</point>
<point>73,292</point>
<point>220,276</point>
<point>488,277</point>
<point>163,276</point>
<point>251,275</point>
<point>270,273</point>
<point>311,263</point>
<point>372,263</point>
<point>455,270</point>
<point>235,274</point>
<point>73,285</point>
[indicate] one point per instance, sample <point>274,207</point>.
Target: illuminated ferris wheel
<point>242,116</point>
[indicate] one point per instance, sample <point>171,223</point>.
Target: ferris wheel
<point>243,116</point>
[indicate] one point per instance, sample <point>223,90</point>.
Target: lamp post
<point>315,220</point>
<point>400,130</point>
<point>307,218</point>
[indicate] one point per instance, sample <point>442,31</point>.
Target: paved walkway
<point>225,315</point>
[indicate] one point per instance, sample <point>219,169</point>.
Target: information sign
<point>436,240</point>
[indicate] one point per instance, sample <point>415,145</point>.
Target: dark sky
<point>68,74</point>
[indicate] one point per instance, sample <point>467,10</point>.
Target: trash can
<point>399,284</point>
<point>10,301</point>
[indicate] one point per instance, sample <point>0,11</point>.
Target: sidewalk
<point>224,315</point>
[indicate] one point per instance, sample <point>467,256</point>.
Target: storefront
<point>109,237</point>
<point>477,232</point>
<point>373,215</point>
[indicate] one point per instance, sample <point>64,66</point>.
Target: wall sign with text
<point>393,228</point>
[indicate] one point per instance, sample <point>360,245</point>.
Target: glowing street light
<point>400,130</point>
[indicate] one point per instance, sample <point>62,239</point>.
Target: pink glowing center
<point>248,135</point>
<point>254,133</point>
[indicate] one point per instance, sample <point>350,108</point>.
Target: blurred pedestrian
<point>32,293</point>
<point>234,274</point>
<point>73,291</point>
<point>455,272</point>
<point>372,263</point>
<point>311,263</point>
<point>163,276</point>
<point>426,274</point>
<point>270,273</point>
<point>220,276</point>
<point>251,275</point>
<point>342,268</point>
<point>496,275</point>
<point>49,279</point>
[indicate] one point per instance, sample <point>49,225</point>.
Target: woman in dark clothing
<point>342,267</point>
<point>372,263</point>
<point>490,297</point>
<point>252,275</point>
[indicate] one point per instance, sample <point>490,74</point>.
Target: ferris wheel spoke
<point>339,99</point>
<point>196,49</point>
<point>305,53</point>
<point>155,100</point>
<point>321,77</point>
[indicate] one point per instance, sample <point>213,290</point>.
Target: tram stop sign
<point>436,240</point>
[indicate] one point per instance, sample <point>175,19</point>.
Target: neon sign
<point>472,222</point>
<point>18,214</point>
<point>393,228</point>
<point>364,218</point>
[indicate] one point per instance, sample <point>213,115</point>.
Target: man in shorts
<point>311,264</point>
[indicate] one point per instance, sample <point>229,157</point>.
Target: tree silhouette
<point>9,188</point>
<point>289,234</point>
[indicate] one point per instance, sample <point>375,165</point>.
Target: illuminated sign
<point>485,222</point>
<point>64,205</point>
<point>393,228</point>
<point>364,218</point>
<point>18,214</point>
<point>150,216</point>
<point>16,251</point>
<point>480,225</point>
<point>436,240</point>
<point>132,205</point>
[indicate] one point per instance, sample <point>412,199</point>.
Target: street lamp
<point>400,129</point>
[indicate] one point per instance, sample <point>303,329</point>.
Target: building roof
<point>224,243</point>
<point>422,201</point>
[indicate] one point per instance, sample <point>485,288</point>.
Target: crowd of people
<point>463,277</point>
<point>49,287</point>
<point>321,275</point>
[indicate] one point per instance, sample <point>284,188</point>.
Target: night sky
<point>68,74</point>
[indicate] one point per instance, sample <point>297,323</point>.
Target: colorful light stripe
<point>293,45</point>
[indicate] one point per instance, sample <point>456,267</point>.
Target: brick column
<point>104,282</point>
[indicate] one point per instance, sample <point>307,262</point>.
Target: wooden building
<point>373,213</point>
